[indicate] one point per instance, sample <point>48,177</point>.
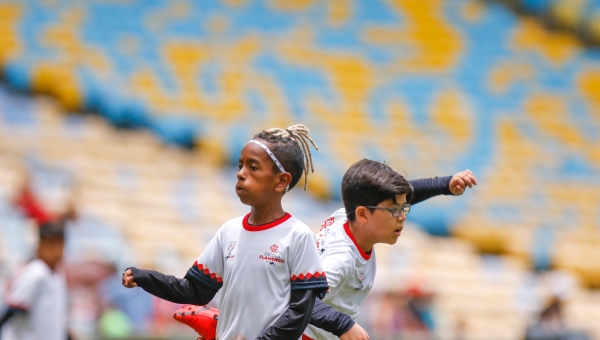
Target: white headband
<point>268,153</point>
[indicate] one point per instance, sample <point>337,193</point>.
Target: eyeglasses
<point>396,210</point>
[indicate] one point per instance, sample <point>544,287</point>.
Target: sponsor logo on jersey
<point>229,249</point>
<point>321,246</point>
<point>327,223</point>
<point>323,232</point>
<point>361,279</point>
<point>272,257</point>
<point>268,258</point>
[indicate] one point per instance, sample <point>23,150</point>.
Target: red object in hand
<point>203,319</point>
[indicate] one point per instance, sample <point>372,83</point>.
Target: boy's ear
<point>284,180</point>
<point>362,214</point>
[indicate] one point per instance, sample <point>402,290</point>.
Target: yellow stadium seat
<point>568,12</point>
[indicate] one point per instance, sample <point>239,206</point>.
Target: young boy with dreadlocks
<point>375,207</point>
<point>265,263</point>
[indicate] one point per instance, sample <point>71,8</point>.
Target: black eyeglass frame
<point>400,209</point>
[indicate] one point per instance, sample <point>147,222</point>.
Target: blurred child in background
<point>37,297</point>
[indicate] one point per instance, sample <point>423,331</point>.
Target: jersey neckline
<point>265,226</point>
<point>362,252</point>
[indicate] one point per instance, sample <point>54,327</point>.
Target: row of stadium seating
<point>165,204</point>
<point>433,88</point>
<point>581,16</point>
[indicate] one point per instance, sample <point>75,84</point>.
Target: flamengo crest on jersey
<point>350,271</point>
<point>259,265</point>
<point>272,256</point>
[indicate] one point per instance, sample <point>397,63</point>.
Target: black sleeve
<point>429,187</point>
<point>294,320</point>
<point>9,313</point>
<point>329,319</point>
<point>190,289</point>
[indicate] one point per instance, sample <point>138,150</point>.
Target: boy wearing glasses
<point>375,207</point>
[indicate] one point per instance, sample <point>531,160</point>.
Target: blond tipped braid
<point>298,133</point>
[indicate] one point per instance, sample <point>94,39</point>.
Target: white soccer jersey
<point>257,267</point>
<point>350,271</point>
<point>42,293</point>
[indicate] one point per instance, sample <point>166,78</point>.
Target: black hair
<point>52,231</point>
<point>368,183</point>
<point>290,147</point>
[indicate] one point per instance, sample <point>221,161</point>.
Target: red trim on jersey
<point>265,226</point>
<point>308,276</point>
<point>306,337</point>
<point>207,271</point>
<point>362,253</point>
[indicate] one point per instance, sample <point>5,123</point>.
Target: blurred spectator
<point>92,253</point>
<point>138,306</point>
<point>405,315</point>
<point>387,322</point>
<point>419,312</point>
<point>113,323</point>
<point>551,325</point>
<point>37,297</point>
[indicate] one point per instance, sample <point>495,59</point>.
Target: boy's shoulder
<point>236,221</point>
<point>36,269</point>
<point>332,238</point>
<point>338,217</point>
<point>299,226</point>
<point>333,226</point>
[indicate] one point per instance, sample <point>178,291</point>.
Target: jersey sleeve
<point>24,290</point>
<point>305,264</point>
<point>208,268</point>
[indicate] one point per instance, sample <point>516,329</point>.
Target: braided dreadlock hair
<point>292,149</point>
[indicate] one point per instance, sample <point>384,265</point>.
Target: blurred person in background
<point>37,296</point>
<point>92,251</point>
<point>551,324</point>
<point>387,319</point>
<point>406,314</point>
<point>419,316</point>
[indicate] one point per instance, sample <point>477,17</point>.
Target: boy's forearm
<point>426,188</point>
<point>329,319</point>
<point>295,319</point>
<point>170,288</point>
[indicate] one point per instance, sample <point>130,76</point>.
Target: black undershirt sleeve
<point>426,188</point>
<point>189,290</point>
<point>329,319</point>
<point>9,313</point>
<point>294,320</point>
